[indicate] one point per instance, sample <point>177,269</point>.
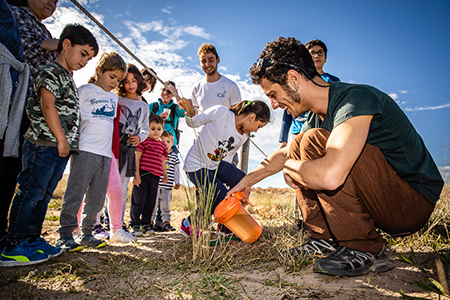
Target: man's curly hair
<point>283,50</point>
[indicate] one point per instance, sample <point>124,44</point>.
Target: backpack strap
<point>155,107</point>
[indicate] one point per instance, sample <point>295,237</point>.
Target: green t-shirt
<point>58,81</point>
<point>390,131</point>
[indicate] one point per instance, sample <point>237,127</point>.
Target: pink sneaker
<point>187,231</point>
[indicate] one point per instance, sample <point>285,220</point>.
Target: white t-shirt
<point>133,120</point>
<point>222,92</point>
<point>217,139</point>
<point>98,108</point>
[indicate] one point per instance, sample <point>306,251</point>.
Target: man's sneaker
<point>41,245</point>
<point>92,242</point>
<point>136,230</point>
<point>167,227</point>
<point>349,262</point>
<point>68,245</point>
<point>314,247</point>
<point>159,226</point>
<point>147,229</point>
<point>223,230</point>
<point>99,233</point>
<point>22,255</point>
<point>122,236</point>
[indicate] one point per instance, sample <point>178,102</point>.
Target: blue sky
<point>399,47</point>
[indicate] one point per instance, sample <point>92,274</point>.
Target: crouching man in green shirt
<point>358,163</point>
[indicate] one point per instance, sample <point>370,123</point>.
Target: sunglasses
<point>167,91</point>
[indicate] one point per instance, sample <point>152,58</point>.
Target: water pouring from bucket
<point>231,213</point>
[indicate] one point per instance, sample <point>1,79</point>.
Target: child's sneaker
<point>167,227</point>
<point>92,242</point>
<point>68,245</point>
<point>22,255</point>
<point>99,233</point>
<point>122,236</point>
<point>147,229</point>
<point>158,226</point>
<point>136,231</point>
<point>187,231</point>
<point>41,245</point>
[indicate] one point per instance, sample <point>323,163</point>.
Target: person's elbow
<point>333,178</point>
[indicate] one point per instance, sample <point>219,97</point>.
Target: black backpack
<point>173,108</point>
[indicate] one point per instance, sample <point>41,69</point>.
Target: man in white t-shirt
<point>214,89</point>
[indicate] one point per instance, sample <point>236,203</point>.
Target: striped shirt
<point>152,156</point>
<point>173,172</point>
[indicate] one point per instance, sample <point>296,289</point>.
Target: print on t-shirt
<point>104,111</point>
<point>131,126</point>
<point>222,150</point>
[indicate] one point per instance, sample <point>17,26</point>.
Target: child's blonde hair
<point>168,134</point>
<point>110,62</point>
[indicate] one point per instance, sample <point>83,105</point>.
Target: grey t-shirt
<point>390,131</point>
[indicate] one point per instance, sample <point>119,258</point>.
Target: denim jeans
<point>225,173</point>
<point>42,169</point>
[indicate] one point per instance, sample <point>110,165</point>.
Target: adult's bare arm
<point>343,148</point>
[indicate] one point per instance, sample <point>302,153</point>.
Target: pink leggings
<point>114,194</point>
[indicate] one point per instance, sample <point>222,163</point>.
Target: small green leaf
<point>425,287</point>
<point>411,297</point>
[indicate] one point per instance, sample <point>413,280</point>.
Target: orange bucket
<point>231,213</point>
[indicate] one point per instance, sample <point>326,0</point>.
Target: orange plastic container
<point>231,213</point>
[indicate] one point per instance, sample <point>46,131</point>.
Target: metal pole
<point>245,151</point>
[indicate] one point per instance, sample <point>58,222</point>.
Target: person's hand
<point>187,105</point>
<point>245,190</point>
<point>282,145</point>
<point>177,186</point>
<point>165,179</point>
<point>289,181</point>
<point>63,148</point>
<point>164,115</point>
<point>137,180</point>
<point>134,140</point>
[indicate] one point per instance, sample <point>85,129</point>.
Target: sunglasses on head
<point>263,63</point>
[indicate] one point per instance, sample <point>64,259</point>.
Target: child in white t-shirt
<point>223,133</point>
<point>89,170</point>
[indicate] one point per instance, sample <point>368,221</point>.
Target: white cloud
<point>197,31</point>
<point>393,96</point>
<point>421,108</point>
<point>168,10</point>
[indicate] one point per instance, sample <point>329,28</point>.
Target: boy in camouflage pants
<point>49,141</point>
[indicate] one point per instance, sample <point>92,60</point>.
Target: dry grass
<point>165,266</point>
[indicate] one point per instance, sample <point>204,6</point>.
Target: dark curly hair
<point>120,90</point>
<point>279,53</point>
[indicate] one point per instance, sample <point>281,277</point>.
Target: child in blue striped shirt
<point>164,197</point>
